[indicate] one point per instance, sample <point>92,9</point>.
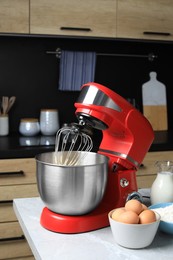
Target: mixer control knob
<point>124,182</point>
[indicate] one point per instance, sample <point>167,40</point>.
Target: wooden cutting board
<point>155,103</point>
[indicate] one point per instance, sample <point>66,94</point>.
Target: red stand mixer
<point>127,137</point>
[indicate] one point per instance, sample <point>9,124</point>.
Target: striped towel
<point>76,69</point>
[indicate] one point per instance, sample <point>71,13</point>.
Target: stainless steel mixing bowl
<point>72,190</point>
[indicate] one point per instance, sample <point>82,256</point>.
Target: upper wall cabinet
<point>74,17</point>
<point>14,16</point>
<point>133,19</point>
<point>145,19</point>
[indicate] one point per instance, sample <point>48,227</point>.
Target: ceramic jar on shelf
<point>4,125</point>
<point>29,126</point>
<point>49,121</point>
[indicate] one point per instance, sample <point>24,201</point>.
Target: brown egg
<point>117,212</point>
<point>134,205</point>
<point>129,217</point>
<point>147,216</point>
<point>144,207</point>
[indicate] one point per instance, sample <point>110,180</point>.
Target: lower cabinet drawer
<point>17,171</point>
<point>10,231</point>
<point>17,180</point>
<point>18,191</point>
<point>12,241</point>
<point>16,249</point>
<point>6,211</point>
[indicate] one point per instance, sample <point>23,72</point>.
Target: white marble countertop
<point>95,245</point>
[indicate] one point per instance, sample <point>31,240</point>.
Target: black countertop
<point>17,146</point>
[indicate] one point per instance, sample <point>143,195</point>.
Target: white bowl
<point>133,235</point>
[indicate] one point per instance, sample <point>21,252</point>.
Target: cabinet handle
<point>142,165</point>
<point>75,29</point>
<point>8,239</point>
<point>19,173</point>
<point>157,33</point>
<point>6,201</point>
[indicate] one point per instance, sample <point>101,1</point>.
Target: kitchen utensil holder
<point>4,125</point>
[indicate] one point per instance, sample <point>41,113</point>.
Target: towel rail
<point>151,56</point>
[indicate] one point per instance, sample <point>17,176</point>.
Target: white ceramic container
<point>4,125</point>
<point>49,121</point>
<point>29,126</point>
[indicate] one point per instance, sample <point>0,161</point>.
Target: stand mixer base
<point>75,224</point>
<point>97,218</point>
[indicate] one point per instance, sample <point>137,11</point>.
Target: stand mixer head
<point>127,134</point>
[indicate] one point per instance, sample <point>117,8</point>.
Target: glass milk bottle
<point>162,187</point>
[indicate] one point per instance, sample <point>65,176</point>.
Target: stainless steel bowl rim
<point>71,166</point>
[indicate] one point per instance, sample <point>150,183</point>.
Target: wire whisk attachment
<point>70,140</point>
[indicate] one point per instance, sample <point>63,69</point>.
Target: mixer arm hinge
<point>114,167</point>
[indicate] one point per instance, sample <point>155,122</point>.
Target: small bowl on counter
<point>132,229</point>
<point>165,211</point>
<point>29,126</point>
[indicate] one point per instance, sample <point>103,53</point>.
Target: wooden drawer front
<point>11,230</point>
<point>14,16</point>
<point>145,19</point>
<point>12,242</point>
<point>17,171</point>
<point>148,172</point>
<point>74,17</point>
<point>15,250</point>
<point>6,212</point>
<point>18,191</point>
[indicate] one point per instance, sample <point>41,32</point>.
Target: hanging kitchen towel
<point>76,69</point>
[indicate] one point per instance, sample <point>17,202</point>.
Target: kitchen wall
<point>30,74</point>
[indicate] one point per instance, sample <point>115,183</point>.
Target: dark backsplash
<point>30,74</point>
